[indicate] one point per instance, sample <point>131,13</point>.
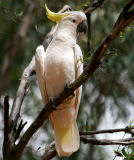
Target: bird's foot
<point>67,89</point>
<point>73,94</point>
<point>52,103</point>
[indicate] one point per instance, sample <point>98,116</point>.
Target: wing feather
<point>79,70</point>
<point>39,66</point>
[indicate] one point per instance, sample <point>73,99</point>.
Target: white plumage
<point>57,67</point>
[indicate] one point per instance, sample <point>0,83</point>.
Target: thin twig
<point>49,155</point>
<point>89,32</point>
<point>118,147</point>
<point>6,142</point>
<point>94,141</point>
<point>50,152</point>
<point>91,7</point>
<point>6,118</point>
<point>107,131</point>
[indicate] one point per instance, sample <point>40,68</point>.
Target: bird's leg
<point>54,107</point>
<point>67,89</point>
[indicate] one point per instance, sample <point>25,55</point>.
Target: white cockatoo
<point>58,66</point>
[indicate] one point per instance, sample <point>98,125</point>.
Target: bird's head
<point>74,19</point>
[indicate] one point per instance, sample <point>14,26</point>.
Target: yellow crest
<point>56,17</point>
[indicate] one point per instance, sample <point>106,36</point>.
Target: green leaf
<point>18,13</point>
<point>124,153</point>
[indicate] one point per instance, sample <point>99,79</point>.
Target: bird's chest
<point>60,63</point>
<point>59,70</point>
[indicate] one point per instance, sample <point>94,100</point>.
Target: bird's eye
<point>74,20</point>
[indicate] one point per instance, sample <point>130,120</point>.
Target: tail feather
<point>66,139</point>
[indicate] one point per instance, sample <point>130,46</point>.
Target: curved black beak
<point>82,27</point>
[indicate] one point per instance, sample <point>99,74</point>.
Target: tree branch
<point>6,118</point>
<point>21,92</point>
<point>89,32</point>
<point>90,8</point>
<point>6,142</point>
<point>127,130</point>
<point>15,46</point>
<point>50,151</point>
<point>94,141</point>
<point>88,71</point>
<point>125,142</point>
<point>49,155</point>
<point>16,107</point>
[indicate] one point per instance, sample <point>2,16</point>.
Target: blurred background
<point>108,96</point>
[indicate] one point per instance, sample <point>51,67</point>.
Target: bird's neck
<point>66,33</point>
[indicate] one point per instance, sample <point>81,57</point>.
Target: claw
<point>73,94</point>
<point>54,107</point>
<point>66,88</point>
<point>51,101</point>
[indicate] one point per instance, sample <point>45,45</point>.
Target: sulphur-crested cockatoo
<point>58,67</point>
